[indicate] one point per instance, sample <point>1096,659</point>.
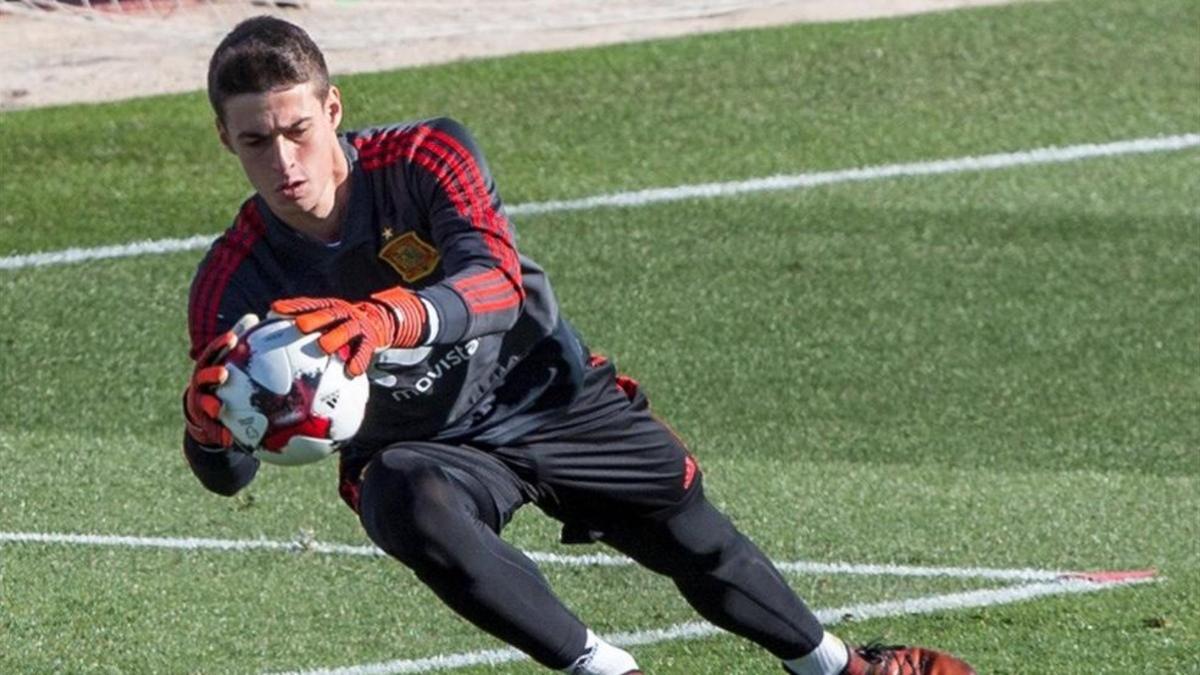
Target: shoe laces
<point>904,659</point>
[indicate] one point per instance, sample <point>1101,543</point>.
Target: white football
<point>285,399</point>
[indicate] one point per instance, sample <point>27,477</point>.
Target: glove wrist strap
<point>408,313</point>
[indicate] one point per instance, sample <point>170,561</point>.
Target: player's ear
<point>223,134</point>
<point>333,105</point>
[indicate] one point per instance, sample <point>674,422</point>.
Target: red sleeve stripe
<point>383,149</point>
<point>460,161</point>
<point>483,279</point>
<point>459,175</point>
<point>461,168</point>
<point>498,306</point>
<point>511,292</point>
<point>388,147</point>
<point>494,223</point>
<point>227,257</point>
<point>481,304</point>
<point>487,292</point>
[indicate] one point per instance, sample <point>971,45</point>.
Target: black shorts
<point>605,460</point>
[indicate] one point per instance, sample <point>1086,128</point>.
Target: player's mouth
<point>291,190</point>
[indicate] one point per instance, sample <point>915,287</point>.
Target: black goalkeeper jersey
<point>424,213</point>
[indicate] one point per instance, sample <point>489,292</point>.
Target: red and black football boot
<point>881,660</point>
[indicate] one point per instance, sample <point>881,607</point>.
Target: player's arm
<point>223,471</point>
<point>481,292</point>
<point>207,445</point>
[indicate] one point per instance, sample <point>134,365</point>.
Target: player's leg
<point>717,569</point>
<point>625,478</point>
<point>735,586</point>
<point>721,573</point>
<point>438,510</point>
<point>729,581</point>
<point>612,469</point>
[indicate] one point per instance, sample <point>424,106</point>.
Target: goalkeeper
<point>392,243</point>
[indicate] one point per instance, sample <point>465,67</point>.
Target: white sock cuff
<point>829,658</point>
<point>601,658</point>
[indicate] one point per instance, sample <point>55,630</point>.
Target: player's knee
<point>706,542</point>
<point>697,540</point>
<point>408,505</point>
<point>713,548</point>
<point>707,533</point>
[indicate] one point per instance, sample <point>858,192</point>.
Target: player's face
<point>287,142</point>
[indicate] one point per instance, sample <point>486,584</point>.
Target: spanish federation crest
<point>409,255</point>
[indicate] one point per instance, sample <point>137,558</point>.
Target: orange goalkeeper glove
<point>200,403</point>
<point>391,318</point>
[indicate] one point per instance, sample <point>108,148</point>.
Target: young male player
<point>392,242</point>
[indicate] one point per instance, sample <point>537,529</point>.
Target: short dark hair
<point>264,53</point>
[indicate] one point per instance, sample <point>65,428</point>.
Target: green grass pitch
<point>991,369</point>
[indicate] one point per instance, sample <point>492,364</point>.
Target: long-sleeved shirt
<point>423,213</point>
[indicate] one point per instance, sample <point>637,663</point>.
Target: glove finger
<point>244,324</point>
<point>203,434</point>
<point>217,349</point>
<point>359,362</point>
<point>321,319</point>
<point>339,337</point>
<point>214,433</point>
<point>293,306</point>
<point>210,376</point>
<point>210,405</point>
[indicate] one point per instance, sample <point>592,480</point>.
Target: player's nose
<point>283,154</point>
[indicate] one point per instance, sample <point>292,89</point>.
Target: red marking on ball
<point>316,427</point>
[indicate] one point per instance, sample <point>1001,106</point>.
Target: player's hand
<point>200,403</point>
<point>392,318</point>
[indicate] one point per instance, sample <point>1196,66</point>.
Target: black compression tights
<point>724,576</point>
<point>415,513</point>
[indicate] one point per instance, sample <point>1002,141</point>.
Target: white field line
<point>695,630</point>
<point>589,560</point>
<point>137,248</point>
<point>1050,155</point>
<point>1035,583</point>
